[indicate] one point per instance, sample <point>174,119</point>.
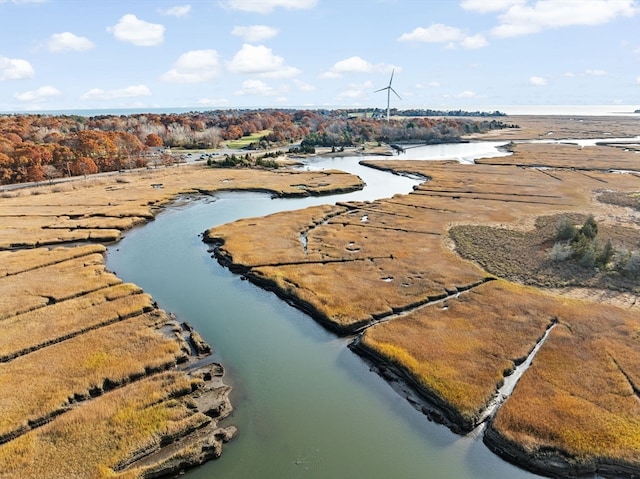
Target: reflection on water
<point>305,406</point>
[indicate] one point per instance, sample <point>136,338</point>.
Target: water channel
<point>305,405</point>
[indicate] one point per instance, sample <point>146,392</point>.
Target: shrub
<point>632,268</point>
<point>565,230</point>
<point>559,252</point>
<point>590,227</point>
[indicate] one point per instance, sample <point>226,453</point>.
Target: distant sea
<point>581,110</point>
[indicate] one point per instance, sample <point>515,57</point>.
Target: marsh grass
<point>49,377</point>
<point>99,209</point>
<point>53,323</point>
<point>92,439</point>
<point>578,396</point>
<point>12,262</point>
<point>459,351</point>
<point>35,288</point>
<point>603,158</point>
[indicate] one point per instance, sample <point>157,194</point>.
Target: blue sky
<point>484,54</point>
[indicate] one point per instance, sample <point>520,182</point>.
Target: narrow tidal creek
<point>305,405</point>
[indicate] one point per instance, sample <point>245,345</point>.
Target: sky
<point>218,54</point>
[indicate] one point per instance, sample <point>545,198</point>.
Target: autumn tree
<point>153,140</point>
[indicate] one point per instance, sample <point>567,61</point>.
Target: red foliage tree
<point>153,140</point>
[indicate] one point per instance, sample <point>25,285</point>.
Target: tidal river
<point>305,405</point>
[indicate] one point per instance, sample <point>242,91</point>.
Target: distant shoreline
<point>510,110</point>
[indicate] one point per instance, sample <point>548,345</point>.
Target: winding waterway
<point>305,405</point>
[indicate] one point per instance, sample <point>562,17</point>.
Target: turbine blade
<point>395,92</point>
<point>391,79</point>
<point>385,88</point>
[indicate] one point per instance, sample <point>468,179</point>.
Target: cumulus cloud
<point>357,64</point>
<point>195,66</point>
<point>538,81</point>
<point>127,92</point>
<point>256,88</point>
<point>254,33</point>
<point>474,42</point>
<point>440,33</point>
<point>268,6</point>
<point>258,59</point>
<point>59,42</point>
<point>133,30</point>
<point>522,18</point>
<point>39,95</point>
<point>638,80</point>
<point>15,69</point>
<point>436,33</point>
<point>177,11</point>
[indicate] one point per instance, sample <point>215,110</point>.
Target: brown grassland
<point>374,266</point>
<point>95,381</point>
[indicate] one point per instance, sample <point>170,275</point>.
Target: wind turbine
<point>389,89</point>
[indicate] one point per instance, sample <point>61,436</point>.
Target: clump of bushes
<point>582,245</point>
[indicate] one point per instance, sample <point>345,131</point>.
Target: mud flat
<point>448,331</point>
<point>95,380</point>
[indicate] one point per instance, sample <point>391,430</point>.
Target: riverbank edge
<point>548,462</point>
<point>420,397</point>
<point>248,273</point>
<point>555,463</point>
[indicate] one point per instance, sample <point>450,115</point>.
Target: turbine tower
<point>389,89</point>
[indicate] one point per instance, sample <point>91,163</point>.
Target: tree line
<point>36,147</point>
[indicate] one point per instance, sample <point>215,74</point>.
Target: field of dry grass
<point>602,158</point>
<point>366,262</point>
<point>580,399</point>
<point>94,380</point>
<point>98,209</point>
<point>483,330</point>
<point>557,127</point>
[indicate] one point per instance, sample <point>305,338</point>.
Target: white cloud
<point>133,30</point>
<point>255,33</point>
<point>195,66</point>
<point>40,95</point>
<point>177,11</point>
<point>127,92</point>
<point>523,19</point>
<point>467,94</point>
<point>638,80</point>
<point>436,33</point>
<point>484,6</point>
<point>59,42</point>
<point>538,81</point>
<point>256,88</point>
<point>15,69</point>
<point>252,59</point>
<point>357,65</point>
<point>474,42</point>
<point>352,65</point>
<point>268,6</point>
